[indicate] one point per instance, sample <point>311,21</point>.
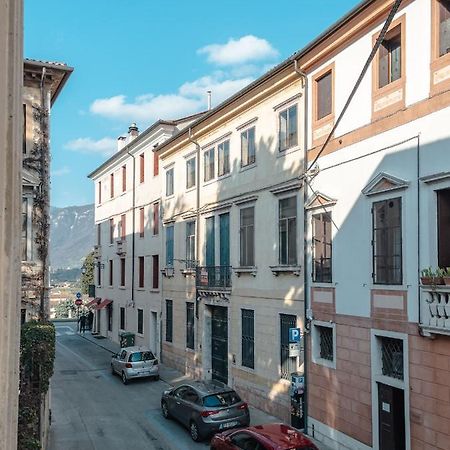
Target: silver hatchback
<point>205,407</point>
<point>135,362</point>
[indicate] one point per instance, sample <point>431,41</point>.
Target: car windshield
<point>141,356</point>
<point>222,399</point>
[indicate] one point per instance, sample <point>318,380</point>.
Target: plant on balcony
<point>446,276</point>
<point>429,277</point>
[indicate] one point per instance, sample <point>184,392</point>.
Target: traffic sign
<point>294,334</point>
<point>78,302</point>
<point>78,295</point>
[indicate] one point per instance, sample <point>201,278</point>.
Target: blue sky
<point>141,60</point>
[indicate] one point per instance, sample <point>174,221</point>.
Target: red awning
<point>103,304</point>
<point>93,303</point>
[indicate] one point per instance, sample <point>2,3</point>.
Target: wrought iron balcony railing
<point>213,277</point>
<point>435,309</point>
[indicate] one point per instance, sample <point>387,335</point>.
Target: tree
<point>63,309</point>
<point>87,278</point>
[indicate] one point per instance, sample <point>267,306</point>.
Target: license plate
<point>228,425</point>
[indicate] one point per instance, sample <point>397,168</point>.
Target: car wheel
<point>156,377</point>
<point>124,378</point>
<point>165,410</point>
<point>195,433</point>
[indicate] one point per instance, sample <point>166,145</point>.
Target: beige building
<point>232,209</point>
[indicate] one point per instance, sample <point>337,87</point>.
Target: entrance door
<point>391,417</point>
<point>153,333</point>
<point>219,343</point>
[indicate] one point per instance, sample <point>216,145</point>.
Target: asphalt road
<point>92,409</point>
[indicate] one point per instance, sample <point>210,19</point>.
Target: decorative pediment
<point>384,182</point>
<point>319,200</point>
<point>28,179</point>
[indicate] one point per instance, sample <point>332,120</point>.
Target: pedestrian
<point>82,322</point>
<point>90,319</point>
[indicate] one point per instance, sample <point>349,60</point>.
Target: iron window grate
<point>326,342</point>
<point>392,357</point>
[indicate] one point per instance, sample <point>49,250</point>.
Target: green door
<point>224,222</point>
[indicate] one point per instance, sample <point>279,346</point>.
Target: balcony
<point>435,309</point>
<point>121,247</point>
<point>97,251</point>
<point>214,278</point>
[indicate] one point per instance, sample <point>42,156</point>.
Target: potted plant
<point>430,277</point>
<point>446,276</point>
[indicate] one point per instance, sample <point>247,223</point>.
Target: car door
<point>175,403</point>
<point>121,360</point>
<point>189,405</point>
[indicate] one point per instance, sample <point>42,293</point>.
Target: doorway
<point>154,332</point>
<point>219,343</point>
<point>391,417</point>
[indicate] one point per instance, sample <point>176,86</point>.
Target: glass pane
<point>251,146</point>
<point>292,241</point>
<point>324,96</point>
<point>383,65</point>
<point>283,130</point>
<point>395,50</point>
<point>292,127</point>
<point>283,242</point>
<point>244,148</point>
<point>444,27</point>
<point>288,207</point>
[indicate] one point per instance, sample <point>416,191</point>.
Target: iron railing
<point>213,277</point>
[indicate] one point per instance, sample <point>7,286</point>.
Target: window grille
<point>190,325</point>
<point>326,342</point>
<point>392,357</point>
<point>169,320</point>
<point>248,338</point>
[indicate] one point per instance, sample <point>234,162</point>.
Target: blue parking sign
<point>294,335</point>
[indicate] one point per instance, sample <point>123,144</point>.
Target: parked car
<point>135,362</point>
<point>271,436</point>
<point>205,407</point>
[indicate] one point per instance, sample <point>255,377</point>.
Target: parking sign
<point>294,335</point>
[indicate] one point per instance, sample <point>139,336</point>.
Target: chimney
<point>133,132</point>
<point>121,142</point>
<point>208,93</point>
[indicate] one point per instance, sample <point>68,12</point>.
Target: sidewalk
<point>172,376</point>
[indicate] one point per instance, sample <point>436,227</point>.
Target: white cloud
<point>239,51</point>
<point>105,146</point>
<point>60,172</point>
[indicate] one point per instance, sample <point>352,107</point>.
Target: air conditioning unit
<point>97,251</point>
<point>121,247</point>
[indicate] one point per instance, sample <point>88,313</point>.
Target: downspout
<point>304,79</point>
<point>419,293</point>
<point>133,238</point>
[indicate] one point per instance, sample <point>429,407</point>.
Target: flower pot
<point>446,280</point>
<point>432,281</point>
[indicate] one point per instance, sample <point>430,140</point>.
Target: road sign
<point>294,349</point>
<point>78,295</point>
<point>78,302</point>
<point>294,335</point>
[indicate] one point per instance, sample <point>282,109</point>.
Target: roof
<point>283,65</point>
<point>206,387</point>
<point>63,69</point>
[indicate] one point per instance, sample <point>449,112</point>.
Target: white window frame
<point>220,146</point>
<point>246,131</point>
<point>207,167</point>
<point>193,161</point>
<point>172,188</point>
<point>286,109</point>
<point>315,341</point>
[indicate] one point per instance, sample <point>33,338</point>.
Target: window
<point>169,182</point>
<point>155,219</point>
<point>122,272</point>
<point>122,319</point>
<point>322,247</point>
<point>248,338</point>
<point>190,325</point>
<point>155,164</point>
<point>141,271</point>
<point>288,231</point>
<point>99,192</point>
<point>245,441</point>
<point>110,316</point>
<point>288,124</point>
<point>111,179</point>
<point>111,272</point>
<point>123,227</point>
<point>248,147</point>
<point>99,234</point>
<point>443,224</point>
<point>141,222</point>
<point>444,27</point>
<point>141,168</point>
<point>288,364</point>
<point>324,343</point>
<point>389,59</point>
<point>140,321</point>
<point>190,173</point>
<point>155,267</point>
<point>24,229</point>
<point>247,237</point>
<point>24,132</point>
<point>387,241</point>
<point>111,231</point>
<point>169,320</point>
<point>99,275</point>
<point>190,244</point>
<point>124,178</point>
<point>169,246</point>
<point>391,357</point>
<point>208,158</point>
<point>324,86</point>
<point>223,157</point>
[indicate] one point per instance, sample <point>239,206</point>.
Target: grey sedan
<point>135,362</point>
<point>205,407</point>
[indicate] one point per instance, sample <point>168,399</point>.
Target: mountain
<point>71,235</point>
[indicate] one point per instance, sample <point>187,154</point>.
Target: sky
<point>144,60</point>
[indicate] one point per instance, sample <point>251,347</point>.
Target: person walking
<point>82,322</point>
<point>90,319</point>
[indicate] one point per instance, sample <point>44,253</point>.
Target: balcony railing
<point>213,277</point>
<point>435,309</point>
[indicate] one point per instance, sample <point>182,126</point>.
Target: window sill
<point>190,189</point>
<point>245,270</point>
<point>190,350</point>
<point>211,181</point>
<point>247,167</point>
<point>224,176</point>
<point>154,291</point>
<point>170,197</point>
<point>140,289</point>
<point>288,151</point>
<point>323,284</point>
<point>247,369</point>
<point>288,270</point>
<point>325,363</point>
<point>122,287</point>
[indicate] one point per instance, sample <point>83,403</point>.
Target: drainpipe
<point>304,79</point>
<point>133,238</point>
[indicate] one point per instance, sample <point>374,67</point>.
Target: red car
<point>271,436</point>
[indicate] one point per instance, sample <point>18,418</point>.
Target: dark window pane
<point>443,221</point>
<point>140,330</point>
<point>248,338</point>
<point>247,237</point>
<point>322,247</point>
<point>169,320</point>
<point>324,95</point>
<point>390,59</point>
<point>190,325</point>
<point>288,231</point>
<point>444,27</point>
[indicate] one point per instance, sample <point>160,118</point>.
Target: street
<point>92,409</point>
